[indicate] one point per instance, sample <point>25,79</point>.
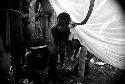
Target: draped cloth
<point>104,33</point>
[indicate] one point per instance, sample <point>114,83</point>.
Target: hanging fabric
<point>103,34</point>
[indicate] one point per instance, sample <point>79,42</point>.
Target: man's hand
<point>72,25</point>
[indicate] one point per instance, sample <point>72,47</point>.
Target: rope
<point>87,16</point>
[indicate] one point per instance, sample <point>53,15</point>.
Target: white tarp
<point>104,33</point>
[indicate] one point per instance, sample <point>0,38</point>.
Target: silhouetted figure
<point>68,53</point>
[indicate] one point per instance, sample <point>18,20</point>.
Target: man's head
<point>64,18</point>
<point>61,31</point>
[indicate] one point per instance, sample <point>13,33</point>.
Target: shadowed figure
<point>69,54</point>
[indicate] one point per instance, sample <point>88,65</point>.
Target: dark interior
<point>41,65</point>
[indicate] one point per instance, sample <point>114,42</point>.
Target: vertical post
<point>83,53</point>
<point>46,27</point>
<point>43,25</point>
<point>8,30</point>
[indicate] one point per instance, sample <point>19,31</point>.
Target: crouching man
<point>69,54</point>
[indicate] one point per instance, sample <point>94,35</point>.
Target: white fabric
<point>104,33</point>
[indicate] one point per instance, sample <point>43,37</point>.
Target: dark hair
<point>64,16</point>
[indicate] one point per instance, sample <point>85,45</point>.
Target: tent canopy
<point>103,35</point>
